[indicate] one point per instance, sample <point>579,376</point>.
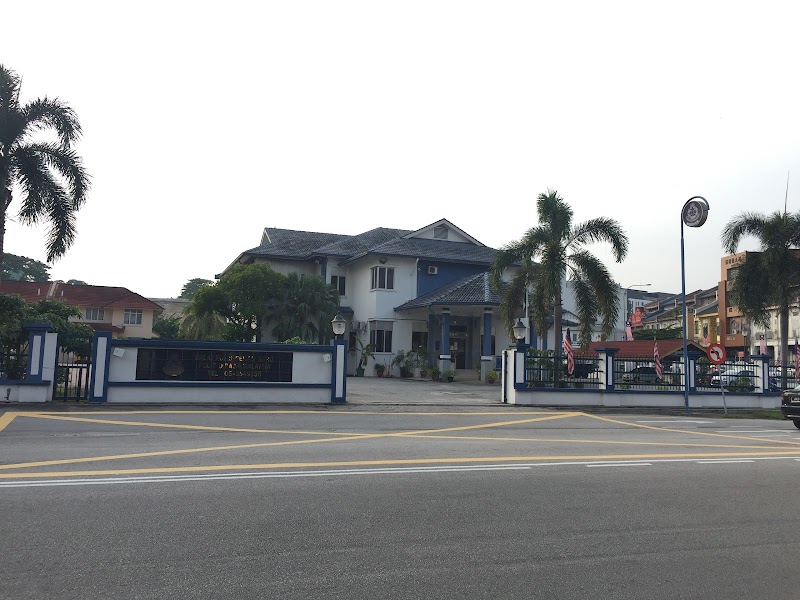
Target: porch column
<point>487,359</point>
<point>444,355</point>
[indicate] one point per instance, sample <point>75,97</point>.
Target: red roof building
<point>116,309</point>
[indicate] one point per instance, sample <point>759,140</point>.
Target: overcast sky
<point>205,122</point>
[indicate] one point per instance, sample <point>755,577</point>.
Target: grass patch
<point>756,414</point>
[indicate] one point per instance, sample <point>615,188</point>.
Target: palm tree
<point>771,277</point>
<point>549,253</point>
<point>305,308</point>
<point>48,175</point>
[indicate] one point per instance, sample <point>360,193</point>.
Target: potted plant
<point>421,361</point>
<point>450,374</point>
<point>365,351</point>
<point>491,376</point>
<point>379,369</point>
<point>435,373</point>
<point>405,361</point>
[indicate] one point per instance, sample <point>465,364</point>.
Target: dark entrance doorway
<point>73,363</point>
<point>458,345</point>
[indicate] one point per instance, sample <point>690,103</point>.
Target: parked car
<point>735,379</point>
<point>645,375</point>
<point>790,405</point>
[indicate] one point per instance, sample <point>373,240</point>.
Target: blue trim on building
<point>222,384</point>
<point>104,396</point>
<point>252,347</point>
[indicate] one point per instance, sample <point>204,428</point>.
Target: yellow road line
<point>396,462</point>
<point>573,441</point>
<point>292,412</point>
<point>174,425</point>
<point>6,418</point>
<point>67,461</point>
<point>687,431</point>
<point>487,425</point>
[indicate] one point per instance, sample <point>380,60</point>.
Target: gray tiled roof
<point>708,309</point>
<point>361,243</point>
<point>303,245</point>
<point>289,243</point>
<point>434,250</point>
<point>473,289</point>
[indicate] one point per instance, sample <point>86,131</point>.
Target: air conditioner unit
<point>433,270</point>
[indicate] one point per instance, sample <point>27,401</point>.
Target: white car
<point>746,376</point>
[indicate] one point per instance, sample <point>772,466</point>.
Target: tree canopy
<point>22,268</point>
<point>251,299</point>
<point>552,252</point>
<point>15,312</point>
<point>190,287</point>
<point>769,278</point>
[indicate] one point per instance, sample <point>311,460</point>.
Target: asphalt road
<point>383,502</point>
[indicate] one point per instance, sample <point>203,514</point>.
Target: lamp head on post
<point>519,332</point>
<point>338,323</point>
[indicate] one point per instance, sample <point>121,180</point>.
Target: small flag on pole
<point>569,353</point>
<point>796,358</point>
<point>657,359</point>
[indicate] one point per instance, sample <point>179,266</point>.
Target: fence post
<point>762,381</point>
<point>36,350</point>
<point>520,353</point>
<point>101,357</point>
<point>339,376</point>
<point>692,375</point>
<point>606,368</point>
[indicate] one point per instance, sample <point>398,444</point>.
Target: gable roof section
<point>473,289</point>
<point>708,309</point>
<point>429,249</point>
<point>78,295</point>
<point>289,243</point>
<point>643,349</point>
<point>414,234</point>
<point>361,243</point>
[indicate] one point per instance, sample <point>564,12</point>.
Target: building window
<point>440,232</point>
<point>380,336</point>
<point>95,314</point>
<point>697,327</point>
<point>133,316</point>
<point>337,283</point>
<point>382,278</point>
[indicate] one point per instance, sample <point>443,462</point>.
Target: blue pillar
<point>487,332</point>
<point>36,337</point>
<point>444,350</point>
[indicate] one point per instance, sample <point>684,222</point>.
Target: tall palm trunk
<point>5,202</point>
<point>785,362</point>
<point>557,339</point>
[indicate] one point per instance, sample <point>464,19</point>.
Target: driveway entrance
<point>467,392</point>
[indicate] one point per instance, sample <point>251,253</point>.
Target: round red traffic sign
<point>716,354</point>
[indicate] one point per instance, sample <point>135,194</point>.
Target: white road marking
<point>677,421</point>
<point>631,464</point>
<point>753,431</point>
<point>374,471</point>
<point>721,462</point>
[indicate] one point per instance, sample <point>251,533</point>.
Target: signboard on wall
<point>174,364</point>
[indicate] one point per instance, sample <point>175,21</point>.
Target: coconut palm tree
<point>304,309</point>
<point>49,177</point>
<point>769,278</point>
<point>549,253</point>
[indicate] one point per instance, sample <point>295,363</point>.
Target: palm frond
<point>601,229</point>
<point>746,223</point>
<point>555,213</point>
<point>47,113</point>
<point>68,165</point>
<point>590,270</point>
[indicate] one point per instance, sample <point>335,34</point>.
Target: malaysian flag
<point>569,353</point>
<point>657,358</point>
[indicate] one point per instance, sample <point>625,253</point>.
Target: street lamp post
<point>338,323</point>
<point>693,214</point>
